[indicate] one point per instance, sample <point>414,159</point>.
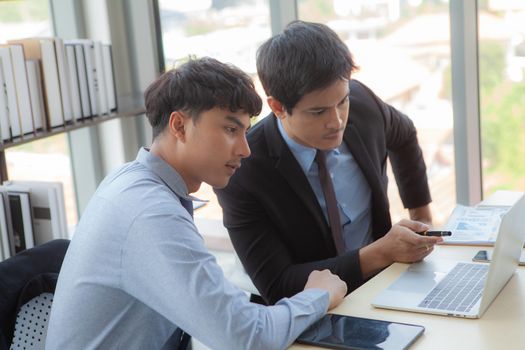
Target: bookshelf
<point>127,107</point>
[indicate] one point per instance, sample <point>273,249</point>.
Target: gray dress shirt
<point>137,268</point>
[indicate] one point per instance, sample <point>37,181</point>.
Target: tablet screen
<point>347,332</point>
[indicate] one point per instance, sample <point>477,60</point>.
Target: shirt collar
<point>305,155</point>
<point>166,172</point>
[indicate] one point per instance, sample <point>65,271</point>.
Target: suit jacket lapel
<point>289,168</point>
<point>372,175</point>
<point>357,147</point>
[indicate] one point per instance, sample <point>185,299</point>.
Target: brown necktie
<point>331,202</point>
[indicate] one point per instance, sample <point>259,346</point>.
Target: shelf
<point>128,107</point>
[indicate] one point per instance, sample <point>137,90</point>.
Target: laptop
<point>462,289</point>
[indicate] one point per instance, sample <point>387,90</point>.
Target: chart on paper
<point>474,225</point>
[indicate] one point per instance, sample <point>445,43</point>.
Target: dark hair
<point>197,86</point>
<point>303,58</point>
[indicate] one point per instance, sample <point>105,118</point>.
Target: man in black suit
<point>275,207</point>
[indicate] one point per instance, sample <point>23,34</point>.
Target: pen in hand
<point>435,233</point>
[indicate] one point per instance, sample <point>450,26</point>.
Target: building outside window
<point>502,91</point>
<point>403,51</point>
<point>227,30</point>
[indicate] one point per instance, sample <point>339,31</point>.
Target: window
<point>228,30</point>
<point>403,50</point>
<point>47,159</point>
<point>502,87</point>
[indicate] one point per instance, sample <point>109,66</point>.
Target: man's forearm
<point>373,259</point>
<point>421,214</point>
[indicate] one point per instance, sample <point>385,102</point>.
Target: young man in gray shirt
<point>137,274</point>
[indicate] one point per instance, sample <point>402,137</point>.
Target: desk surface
<point>501,327</point>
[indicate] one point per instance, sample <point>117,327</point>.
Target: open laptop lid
<point>409,289</point>
<point>507,251</point>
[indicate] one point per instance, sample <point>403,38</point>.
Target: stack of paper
<point>479,225</point>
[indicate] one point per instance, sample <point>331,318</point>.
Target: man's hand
<point>400,244</point>
<point>326,280</point>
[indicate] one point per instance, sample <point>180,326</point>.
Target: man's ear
<point>277,107</point>
<point>177,125</point>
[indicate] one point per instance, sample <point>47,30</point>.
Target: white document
<point>73,79</point>
<point>10,88</point>
<point>102,89</point>
<point>478,225</point>
<point>474,225</point>
<point>109,77</point>
<point>4,111</point>
<point>52,84</point>
<point>22,89</point>
<point>91,71</point>
<point>43,49</point>
<point>83,80</point>
<point>63,75</point>
<point>34,79</point>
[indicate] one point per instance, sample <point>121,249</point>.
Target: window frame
<point>70,19</point>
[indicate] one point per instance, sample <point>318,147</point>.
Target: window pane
<point>502,91</point>
<point>21,19</point>
<point>47,159</point>
<point>227,30</point>
<point>403,51</point>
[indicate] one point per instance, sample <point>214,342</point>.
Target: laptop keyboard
<point>459,290</point>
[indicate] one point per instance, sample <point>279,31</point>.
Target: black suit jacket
<point>274,219</point>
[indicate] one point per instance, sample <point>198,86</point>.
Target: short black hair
<point>303,58</point>
<point>197,86</point>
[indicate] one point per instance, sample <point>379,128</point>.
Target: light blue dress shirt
<point>137,268</point>
<point>354,196</point>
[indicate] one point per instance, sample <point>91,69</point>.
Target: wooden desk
<point>501,327</point>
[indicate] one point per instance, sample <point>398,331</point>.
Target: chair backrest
<point>23,277</point>
<point>31,323</point>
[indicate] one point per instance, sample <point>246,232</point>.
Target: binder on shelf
<point>6,228</point>
<point>9,82</point>
<point>63,76</point>
<point>55,111</point>
<point>22,89</point>
<point>83,81</point>
<point>73,79</point>
<point>47,208</point>
<point>43,50</point>
<point>107,58</point>
<point>31,213</point>
<point>20,206</point>
<point>101,79</point>
<point>34,79</point>
<point>91,73</point>
<point>5,135</point>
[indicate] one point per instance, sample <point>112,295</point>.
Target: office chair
<point>27,284</point>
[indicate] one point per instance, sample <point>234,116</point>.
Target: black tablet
<point>347,332</point>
